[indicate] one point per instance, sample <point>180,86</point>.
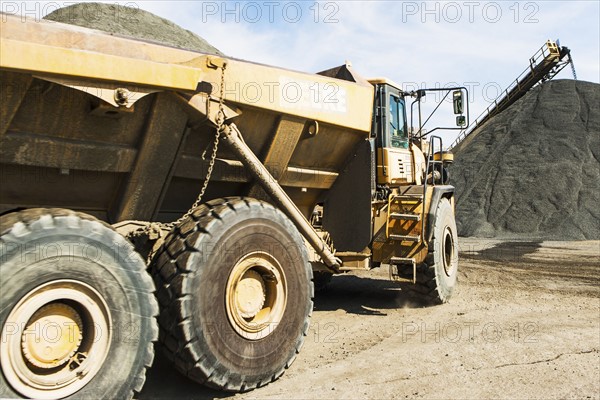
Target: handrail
<point>430,166</point>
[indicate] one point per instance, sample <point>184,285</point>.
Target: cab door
<point>394,157</point>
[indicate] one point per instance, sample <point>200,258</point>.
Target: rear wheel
<point>437,277</point>
<point>235,292</point>
<point>76,308</point>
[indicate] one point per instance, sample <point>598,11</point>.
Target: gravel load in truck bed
<point>131,22</point>
<point>533,171</point>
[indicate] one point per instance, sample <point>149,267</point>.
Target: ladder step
<point>397,276</point>
<point>402,260</point>
<point>413,196</point>
<point>408,217</point>
<point>407,238</point>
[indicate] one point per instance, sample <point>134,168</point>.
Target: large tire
<point>77,310</point>
<point>437,276</point>
<point>198,272</point>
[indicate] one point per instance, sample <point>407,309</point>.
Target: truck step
<point>405,238</point>
<point>402,260</point>
<point>415,196</point>
<point>397,276</point>
<point>407,217</point>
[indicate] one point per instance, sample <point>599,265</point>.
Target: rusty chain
<point>220,120</point>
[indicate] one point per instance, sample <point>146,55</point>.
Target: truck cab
<point>399,161</point>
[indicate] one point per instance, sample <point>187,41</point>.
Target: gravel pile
<point>533,171</point>
<point>131,22</point>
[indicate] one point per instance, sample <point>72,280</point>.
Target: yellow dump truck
<point>149,192</point>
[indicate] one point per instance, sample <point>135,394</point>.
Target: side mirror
<point>457,99</point>
<point>461,121</point>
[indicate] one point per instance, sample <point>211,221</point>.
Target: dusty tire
<point>201,327</point>
<point>77,310</point>
<point>437,277</point>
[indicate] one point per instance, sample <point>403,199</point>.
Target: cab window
<point>398,135</point>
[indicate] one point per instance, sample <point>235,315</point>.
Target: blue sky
<point>481,44</point>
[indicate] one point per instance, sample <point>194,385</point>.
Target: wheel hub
<point>52,336</point>
<point>256,295</point>
<point>250,294</point>
<point>65,338</point>
<point>448,252</point>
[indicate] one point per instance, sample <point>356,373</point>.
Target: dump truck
<point>155,194</point>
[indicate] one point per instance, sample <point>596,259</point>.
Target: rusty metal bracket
<point>216,62</point>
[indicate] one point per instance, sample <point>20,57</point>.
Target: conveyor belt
<point>545,64</point>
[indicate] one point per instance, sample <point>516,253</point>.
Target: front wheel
<point>77,309</point>
<point>437,277</point>
<point>235,291</point>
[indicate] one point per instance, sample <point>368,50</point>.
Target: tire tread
<point>427,284</point>
<point>58,217</point>
<point>175,301</point>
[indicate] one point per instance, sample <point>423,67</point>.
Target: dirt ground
<point>524,323</point>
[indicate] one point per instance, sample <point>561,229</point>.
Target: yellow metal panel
<point>444,156</point>
<point>397,165</point>
<point>40,59</point>
<point>383,175</point>
<point>384,81</point>
<point>79,53</point>
<point>314,97</point>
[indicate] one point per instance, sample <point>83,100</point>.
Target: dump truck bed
<point>65,142</point>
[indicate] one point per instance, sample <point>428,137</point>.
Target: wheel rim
<point>448,252</point>
<point>256,295</point>
<point>55,339</point>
